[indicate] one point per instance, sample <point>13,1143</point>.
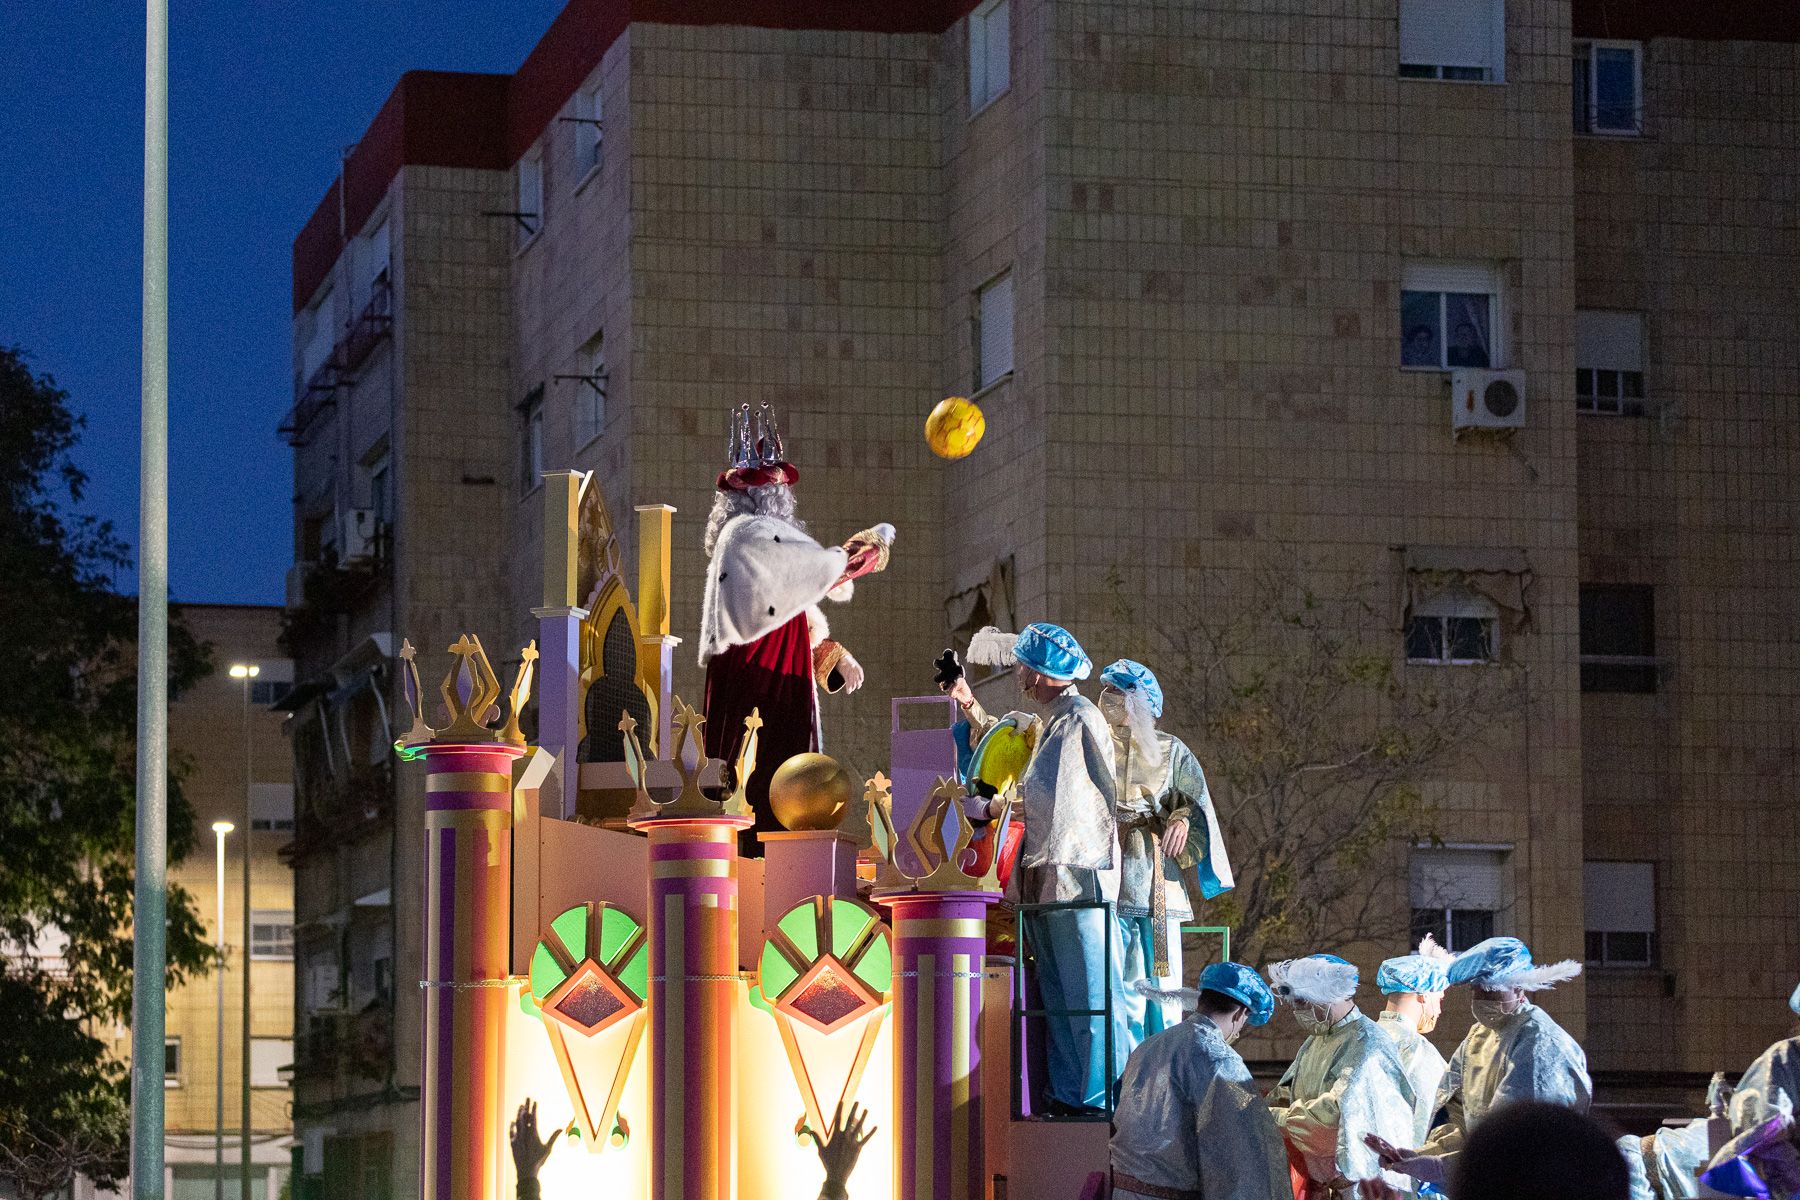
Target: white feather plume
<point>1314,980</point>
<point>991,647</point>
<point>1428,948</point>
<point>1188,997</point>
<point>1534,979</point>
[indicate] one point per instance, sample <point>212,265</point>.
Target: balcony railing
<point>355,342</point>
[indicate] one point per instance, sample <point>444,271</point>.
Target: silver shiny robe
<point>1345,1083</point>
<point>1770,1086</point>
<point>1424,1067</point>
<point>1153,800</point>
<point>1527,1057</point>
<point>1067,790</point>
<point>1189,1117</point>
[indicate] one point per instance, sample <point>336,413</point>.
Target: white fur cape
<point>763,571</point>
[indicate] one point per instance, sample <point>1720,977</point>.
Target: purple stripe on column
<point>457,801</point>
<point>441,927</point>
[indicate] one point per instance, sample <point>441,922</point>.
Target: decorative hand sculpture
<point>529,1153</point>
<point>840,1149</point>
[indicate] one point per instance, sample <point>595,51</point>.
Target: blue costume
<point>1415,974</point>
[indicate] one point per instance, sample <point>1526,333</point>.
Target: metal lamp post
<point>245,672</point>
<point>220,829</point>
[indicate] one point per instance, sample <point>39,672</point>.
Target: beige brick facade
<point>1207,215</point>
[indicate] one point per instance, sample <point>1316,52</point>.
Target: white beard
<point>762,572</point>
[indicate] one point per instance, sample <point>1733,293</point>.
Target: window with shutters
<point>588,131</point>
<point>272,933</point>
<point>1607,84</point>
<point>994,331</point>
<point>172,1062</point>
<point>590,390</point>
<point>528,205</point>
<point>1451,316</point>
<point>1453,39</point>
<point>1609,363</point>
<point>321,338</point>
<point>990,53</point>
<point>1618,637</point>
<point>272,804</point>
<point>1620,900</point>
<point>1457,894</point>
<point>267,1057</point>
<point>1453,628</point>
<point>372,255</point>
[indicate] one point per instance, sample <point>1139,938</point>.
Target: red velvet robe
<point>774,673</point>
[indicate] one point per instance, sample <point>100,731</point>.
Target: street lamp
<point>245,672</point>
<point>220,829</point>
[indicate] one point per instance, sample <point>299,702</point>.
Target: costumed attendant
<point>1166,826</point>
<point>1763,1157</point>
<point>1070,853</point>
<point>1345,1084</point>
<point>763,640</point>
<point>1414,985</point>
<point>1772,1084</point>
<point>1190,1124</point>
<point>1513,1052</point>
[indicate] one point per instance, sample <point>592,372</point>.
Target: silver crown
<point>747,450</point>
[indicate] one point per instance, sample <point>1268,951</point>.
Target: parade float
<point>597,945</point>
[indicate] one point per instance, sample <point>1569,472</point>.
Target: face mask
<point>1311,1019</point>
<point>1492,1012</point>
<point>1112,707</point>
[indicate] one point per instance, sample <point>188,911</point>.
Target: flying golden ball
<point>810,791</point>
<point>954,427</point>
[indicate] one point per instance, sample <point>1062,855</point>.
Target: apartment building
<point>1483,301</point>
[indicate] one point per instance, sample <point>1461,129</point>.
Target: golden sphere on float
<point>954,427</point>
<point>810,791</point>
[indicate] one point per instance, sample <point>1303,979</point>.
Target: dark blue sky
<point>262,95</point>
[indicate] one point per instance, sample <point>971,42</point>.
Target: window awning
<point>1500,573</point>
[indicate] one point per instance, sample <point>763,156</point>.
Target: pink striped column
<point>940,945</point>
<point>468,891</point>
<point>693,932</point>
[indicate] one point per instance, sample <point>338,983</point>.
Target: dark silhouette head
<point>1540,1151</point>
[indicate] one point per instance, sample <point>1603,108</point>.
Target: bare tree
<point>1318,743</point>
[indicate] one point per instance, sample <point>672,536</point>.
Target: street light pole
<point>220,829</point>
<point>246,672</point>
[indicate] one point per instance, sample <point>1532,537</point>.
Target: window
<point>590,390</point>
<point>1456,894</point>
<point>172,1062</point>
<point>531,442</point>
<point>1621,913</point>
<point>530,200</point>
<point>272,933</point>
<point>1450,317</point>
<point>994,331</point>
<point>1609,362</point>
<point>587,130</point>
<point>321,338</point>
<point>381,502</point>
<point>272,806</point>
<point>371,266</point>
<point>1607,81</point>
<point>1453,628</point>
<point>1453,39</point>
<point>264,692</point>
<point>267,1057</point>
<point>1618,637</point>
<point>990,53</point>
<point>324,982</point>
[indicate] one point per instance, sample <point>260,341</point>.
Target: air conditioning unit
<point>296,585</point>
<point>361,536</point>
<point>1486,399</point>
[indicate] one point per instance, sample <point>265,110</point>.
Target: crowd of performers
<point>1117,827</point>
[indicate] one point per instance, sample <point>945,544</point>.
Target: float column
<point>468,891</point>
<point>693,930</point>
<point>940,945</point>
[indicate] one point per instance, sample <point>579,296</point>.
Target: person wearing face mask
<point>1345,1084</point>
<point>1190,1125</point>
<point>1772,1083</point>
<point>1414,986</point>
<point>1513,1052</point>
<point>1166,827</point>
<point>1070,852</point>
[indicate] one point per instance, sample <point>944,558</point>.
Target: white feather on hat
<point>1536,978</point>
<point>1428,948</point>
<point>1314,980</point>
<point>1189,998</point>
<point>991,647</point>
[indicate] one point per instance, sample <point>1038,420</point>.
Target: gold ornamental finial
<point>690,765</point>
<point>520,693</point>
<point>470,690</point>
<point>738,803</point>
<point>420,733</point>
<point>939,838</point>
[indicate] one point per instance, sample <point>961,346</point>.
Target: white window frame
<point>1589,104</point>
<point>1484,868</point>
<point>260,820</point>
<point>1611,907</point>
<point>172,1079</point>
<point>528,197</point>
<point>1589,358</point>
<point>988,19</point>
<point>1454,603</point>
<point>276,917</point>
<point>590,401</point>
<point>321,337</point>
<point>590,141</point>
<point>1494,69</point>
<point>999,284</point>
<point>267,1056</point>
<point>1458,279</point>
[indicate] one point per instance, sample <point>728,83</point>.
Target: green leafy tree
<point>1319,746</point>
<point>67,804</point>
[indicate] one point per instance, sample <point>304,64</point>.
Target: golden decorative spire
<point>519,695</point>
<point>690,765</point>
<point>420,733</point>
<point>470,690</point>
<point>939,838</point>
